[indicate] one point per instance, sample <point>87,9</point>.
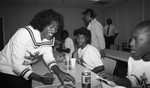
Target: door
<point>1,34</point>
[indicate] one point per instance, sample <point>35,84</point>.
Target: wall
<point>19,16</point>
<point>126,15</point>
<point>146,9</point>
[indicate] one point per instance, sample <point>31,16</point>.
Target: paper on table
<point>106,81</point>
<point>58,85</point>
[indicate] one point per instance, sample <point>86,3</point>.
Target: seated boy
<point>138,64</point>
<point>67,46</point>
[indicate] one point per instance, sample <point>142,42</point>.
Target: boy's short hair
<point>64,32</point>
<point>109,21</point>
<point>84,31</point>
<point>144,24</point>
<point>45,18</point>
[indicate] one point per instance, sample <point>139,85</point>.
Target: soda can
<point>86,79</point>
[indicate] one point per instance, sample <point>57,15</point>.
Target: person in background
<point>68,45</point>
<point>138,75</point>
<point>89,56</point>
<point>110,33</point>
<point>26,46</point>
<point>96,29</point>
<point>75,39</point>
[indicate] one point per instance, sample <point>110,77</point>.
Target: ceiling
<point>64,3</point>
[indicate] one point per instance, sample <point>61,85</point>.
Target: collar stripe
<point>51,42</point>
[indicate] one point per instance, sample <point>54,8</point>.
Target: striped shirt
<point>24,48</point>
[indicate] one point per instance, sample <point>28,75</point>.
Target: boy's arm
<point>117,80</point>
<point>66,50</point>
<point>122,81</point>
<point>63,50</point>
<point>98,69</point>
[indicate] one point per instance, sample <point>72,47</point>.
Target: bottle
<point>67,62</point>
<point>86,79</point>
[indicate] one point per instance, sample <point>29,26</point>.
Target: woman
<point>26,46</point>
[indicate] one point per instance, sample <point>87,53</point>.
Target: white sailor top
<point>24,48</point>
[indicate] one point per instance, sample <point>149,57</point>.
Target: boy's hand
<point>106,76</point>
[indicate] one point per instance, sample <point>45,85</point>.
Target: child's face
<point>140,43</point>
<point>81,40</point>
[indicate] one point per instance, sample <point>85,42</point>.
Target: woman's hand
<point>62,76</point>
<point>47,79</point>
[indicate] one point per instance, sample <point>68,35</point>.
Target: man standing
<point>110,33</point>
<point>96,29</point>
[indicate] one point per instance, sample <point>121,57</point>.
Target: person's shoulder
<point>68,39</point>
<point>91,48</point>
<point>131,58</point>
<point>134,59</point>
<point>112,25</point>
<point>105,26</point>
<point>79,50</point>
<point>98,23</point>
<point>22,31</point>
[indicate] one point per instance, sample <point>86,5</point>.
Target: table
<point>117,55</point>
<point>41,69</point>
<point>121,58</point>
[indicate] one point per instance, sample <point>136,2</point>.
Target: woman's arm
<point>46,79</point>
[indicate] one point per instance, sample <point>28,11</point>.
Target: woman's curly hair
<point>45,18</point>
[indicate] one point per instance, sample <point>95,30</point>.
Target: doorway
<point>1,34</point>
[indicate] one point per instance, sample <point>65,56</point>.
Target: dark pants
<point>11,81</point>
<point>109,40</point>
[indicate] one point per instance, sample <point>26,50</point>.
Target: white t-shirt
<point>91,57</point>
<point>139,73</point>
<point>69,44</point>
<point>96,29</point>
<point>15,58</point>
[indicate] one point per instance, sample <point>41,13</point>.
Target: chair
<point>114,46</point>
<point>109,65</point>
<point>125,47</point>
<point>75,54</point>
